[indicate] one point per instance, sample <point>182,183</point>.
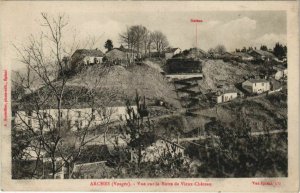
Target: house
<point>243,56</point>
<point>225,95</point>
<point>228,56</point>
<point>86,57</point>
<point>160,148</point>
<point>281,72</point>
<point>262,55</point>
<point>118,56</point>
<point>97,170</point>
<point>256,86</point>
<point>130,53</point>
<point>275,85</point>
<point>72,119</point>
<point>170,52</point>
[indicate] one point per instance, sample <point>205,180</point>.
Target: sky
<point>233,29</point>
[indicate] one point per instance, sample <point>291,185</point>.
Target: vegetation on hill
<point>124,82</point>
<point>218,72</point>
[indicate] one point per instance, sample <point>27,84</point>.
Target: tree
<point>235,152</point>
<point>211,51</point>
<point>108,45</point>
<point>279,50</point>
<point>160,41</point>
<point>244,49</point>
<point>50,135</point>
<point>220,49</point>
<point>137,126</point>
<point>264,48</point>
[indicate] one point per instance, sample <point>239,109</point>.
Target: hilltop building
<point>281,72</point>
<point>256,86</point>
<point>121,55</point>
<point>262,55</point>
<point>225,95</point>
<point>170,52</point>
<point>243,56</point>
<point>87,57</point>
<point>72,119</point>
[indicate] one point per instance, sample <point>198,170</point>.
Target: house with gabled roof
<point>256,86</point>
<point>281,72</point>
<point>87,57</point>
<point>262,55</point>
<point>225,95</point>
<point>170,52</point>
<point>244,56</point>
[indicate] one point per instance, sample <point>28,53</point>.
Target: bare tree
<point>52,131</point>
<point>160,41</point>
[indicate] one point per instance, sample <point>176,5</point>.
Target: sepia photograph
<point>148,94</point>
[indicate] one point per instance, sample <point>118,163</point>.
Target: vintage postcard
<point>178,96</point>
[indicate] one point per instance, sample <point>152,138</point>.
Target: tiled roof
<point>242,54</point>
<point>86,52</point>
<point>171,50</point>
<point>263,53</point>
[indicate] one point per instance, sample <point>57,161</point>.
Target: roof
<point>226,91</point>
<point>171,50</point>
<point>257,80</point>
<point>275,84</point>
<point>279,67</point>
<point>229,91</point>
<point>116,53</point>
<point>263,53</point>
<point>93,170</point>
<point>242,54</point>
<point>88,52</point>
<point>121,48</point>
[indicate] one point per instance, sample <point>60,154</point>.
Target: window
<point>29,122</point>
<point>69,123</point>
<point>61,114</point>
<point>79,113</point>
<point>76,123</point>
<point>93,114</point>
<point>29,113</point>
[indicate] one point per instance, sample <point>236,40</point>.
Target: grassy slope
<point>260,112</point>
<point>124,82</point>
<point>217,70</point>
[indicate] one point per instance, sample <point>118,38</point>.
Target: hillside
<point>124,82</point>
<point>219,72</point>
<point>260,112</point>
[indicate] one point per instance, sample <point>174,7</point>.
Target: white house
<point>158,149</point>
<point>281,72</point>
<point>256,86</point>
<point>71,118</point>
<point>226,95</point>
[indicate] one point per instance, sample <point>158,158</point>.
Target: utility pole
<point>196,21</point>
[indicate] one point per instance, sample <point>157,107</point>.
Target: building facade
<point>226,96</point>
<point>72,119</point>
<point>256,86</point>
